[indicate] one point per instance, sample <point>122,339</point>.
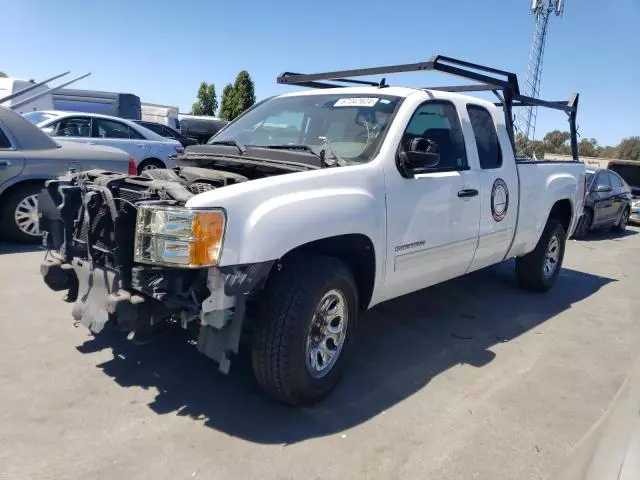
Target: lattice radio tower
<point>542,10</point>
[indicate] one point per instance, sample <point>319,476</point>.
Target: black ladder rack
<point>502,83</point>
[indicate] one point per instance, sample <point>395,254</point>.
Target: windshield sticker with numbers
<point>356,102</point>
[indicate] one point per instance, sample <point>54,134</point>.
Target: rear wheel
<point>150,164</point>
<point>539,269</point>
<point>19,215</point>
<point>621,225</point>
<point>306,330</point>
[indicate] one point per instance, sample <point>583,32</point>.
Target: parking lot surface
<point>473,378</point>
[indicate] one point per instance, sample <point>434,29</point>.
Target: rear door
<point>498,186</point>
<point>618,196</point>
<point>603,200</point>
<point>119,135</point>
<point>11,159</point>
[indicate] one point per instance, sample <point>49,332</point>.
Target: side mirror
<point>420,155</point>
<point>603,188</point>
<point>48,131</point>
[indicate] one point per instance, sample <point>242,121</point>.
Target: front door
<point>432,219</point>
<point>498,186</point>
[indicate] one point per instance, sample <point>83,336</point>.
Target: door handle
<point>467,192</point>
<point>5,163</point>
<point>140,145</point>
<point>92,143</point>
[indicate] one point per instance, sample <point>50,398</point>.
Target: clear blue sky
<point>161,50</point>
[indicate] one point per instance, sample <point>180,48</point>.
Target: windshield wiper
<point>290,146</point>
<point>230,142</point>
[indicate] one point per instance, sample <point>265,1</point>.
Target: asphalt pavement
<point>471,379</point>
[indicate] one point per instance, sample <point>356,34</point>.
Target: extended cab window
<point>73,127</point>
<point>486,137</point>
<point>438,121</point>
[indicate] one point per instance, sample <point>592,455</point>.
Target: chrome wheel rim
<point>26,216</point>
<point>327,333</point>
<point>551,257</point>
<point>624,219</point>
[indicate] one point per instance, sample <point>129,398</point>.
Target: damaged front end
<point>121,265</point>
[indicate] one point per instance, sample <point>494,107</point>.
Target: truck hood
<point>202,154</point>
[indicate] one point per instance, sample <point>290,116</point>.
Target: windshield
<point>350,127</point>
<point>37,117</point>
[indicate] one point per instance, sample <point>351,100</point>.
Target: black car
<point>167,132</point>
<point>607,203</point>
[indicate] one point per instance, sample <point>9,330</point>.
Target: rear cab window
<point>484,131</point>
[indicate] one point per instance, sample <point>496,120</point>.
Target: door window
<point>615,181</point>
<point>104,128</point>
<point>133,133</point>
<point>166,132</point>
<point>438,121</point>
<point>73,127</point>
<point>4,140</point>
<point>603,179</point>
<point>484,131</point>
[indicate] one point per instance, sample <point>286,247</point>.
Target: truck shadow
<point>402,345</point>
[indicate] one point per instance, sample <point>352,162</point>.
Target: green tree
<point>607,152</point>
<point>243,93</point>
<point>629,149</point>
<point>227,103</point>
<point>3,75</point>
<point>529,148</point>
<point>556,142</point>
<point>588,147</point>
<point>207,102</point>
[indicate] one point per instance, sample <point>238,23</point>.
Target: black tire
<point>584,225</point>
<point>150,163</point>
<point>621,224</point>
<point>530,269</point>
<point>287,308</point>
<point>10,229</point>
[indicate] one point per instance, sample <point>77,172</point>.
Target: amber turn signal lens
<point>206,240</point>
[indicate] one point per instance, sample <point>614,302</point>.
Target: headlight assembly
<point>179,237</point>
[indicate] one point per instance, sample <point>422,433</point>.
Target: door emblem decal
<point>499,200</point>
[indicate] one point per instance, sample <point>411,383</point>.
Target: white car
<point>148,149</point>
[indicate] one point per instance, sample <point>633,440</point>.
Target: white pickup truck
<point>308,209</point>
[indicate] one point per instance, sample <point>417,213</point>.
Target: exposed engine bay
<point>88,221</point>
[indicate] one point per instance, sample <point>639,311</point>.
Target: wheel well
<point>356,251</point>
<point>562,212</point>
<point>18,185</point>
<point>152,159</point>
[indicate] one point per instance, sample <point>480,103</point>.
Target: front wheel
<point>539,269</point>
<point>308,320</point>
<point>150,164</point>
